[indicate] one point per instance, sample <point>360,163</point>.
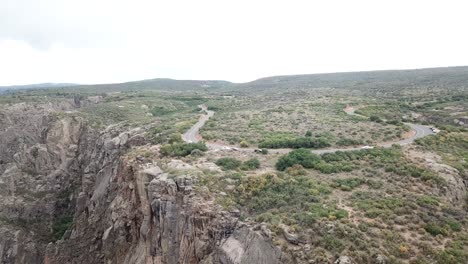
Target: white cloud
<point>111,41</point>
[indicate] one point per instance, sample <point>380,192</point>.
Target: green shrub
<point>349,142</point>
<point>296,170</point>
<point>395,122</point>
<point>330,212</point>
<point>411,170</point>
<point>375,119</point>
<point>425,200</point>
<point>228,163</point>
<point>435,229</point>
<point>196,153</point>
<point>280,192</point>
<point>302,157</point>
<point>453,147</point>
<point>264,151</point>
<point>160,111</point>
<point>333,167</point>
<point>453,253</point>
<point>454,225</point>
<point>332,243</point>
<point>375,184</point>
<point>301,142</point>
<point>175,138</point>
<point>316,211</point>
<point>348,184</point>
<point>182,149</point>
<point>374,205</point>
<point>244,144</point>
<point>61,225</point>
<point>251,164</point>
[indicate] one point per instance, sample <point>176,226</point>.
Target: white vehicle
<point>367,147</point>
<point>227,148</point>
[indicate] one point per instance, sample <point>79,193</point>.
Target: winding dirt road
<point>418,130</point>
<point>192,135</point>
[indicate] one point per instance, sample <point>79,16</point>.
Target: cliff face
<point>39,165</point>
<point>70,194</point>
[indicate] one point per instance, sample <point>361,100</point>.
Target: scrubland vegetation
<point>405,203</point>
<point>452,146</point>
<point>360,203</point>
<point>182,149</point>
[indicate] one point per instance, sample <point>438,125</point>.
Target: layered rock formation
<point>70,194</point>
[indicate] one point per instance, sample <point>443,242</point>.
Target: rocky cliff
<point>72,194</point>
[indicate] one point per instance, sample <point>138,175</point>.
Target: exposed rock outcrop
<point>456,186</point>
<point>56,174</point>
<point>39,166</point>
<point>343,260</point>
<point>246,246</point>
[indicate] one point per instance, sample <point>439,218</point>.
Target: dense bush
<point>301,142</point>
<point>302,157</point>
<point>228,163</point>
<point>175,138</point>
<point>349,142</point>
<point>380,154</point>
<point>296,170</point>
<point>283,192</point>
<point>182,149</point>
<point>414,171</point>
<point>264,151</point>
<point>333,167</point>
<point>391,159</point>
<point>443,227</point>
<point>452,146</point>
<point>395,122</point>
<point>160,111</point>
<point>375,205</point>
<point>375,119</point>
<point>196,153</point>
<point>453,253</point>
<point>244,144</point>
<point>348,184</point>
<point>435,229</point>
<point>251,164</point>
<point>232,164</point>
<point>316,211</point>
<point>327,163</point>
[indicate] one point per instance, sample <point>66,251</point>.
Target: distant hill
<point>157,84</point>
<point>396,80</point>
<point>36,86</point>
<point>427,78</point>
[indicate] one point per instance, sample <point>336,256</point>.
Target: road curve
<point>419,130</point>
<point>192,136</point>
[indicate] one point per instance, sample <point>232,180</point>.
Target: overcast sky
<point>102,41</point>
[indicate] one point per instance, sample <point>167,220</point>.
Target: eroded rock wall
<point>57,174</point>
<point>39,166</point>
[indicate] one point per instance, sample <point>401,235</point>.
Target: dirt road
<point>192,136</point>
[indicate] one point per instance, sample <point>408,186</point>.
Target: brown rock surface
<point>57,174</point>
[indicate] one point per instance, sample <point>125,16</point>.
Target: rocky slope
<point>72,194</point>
